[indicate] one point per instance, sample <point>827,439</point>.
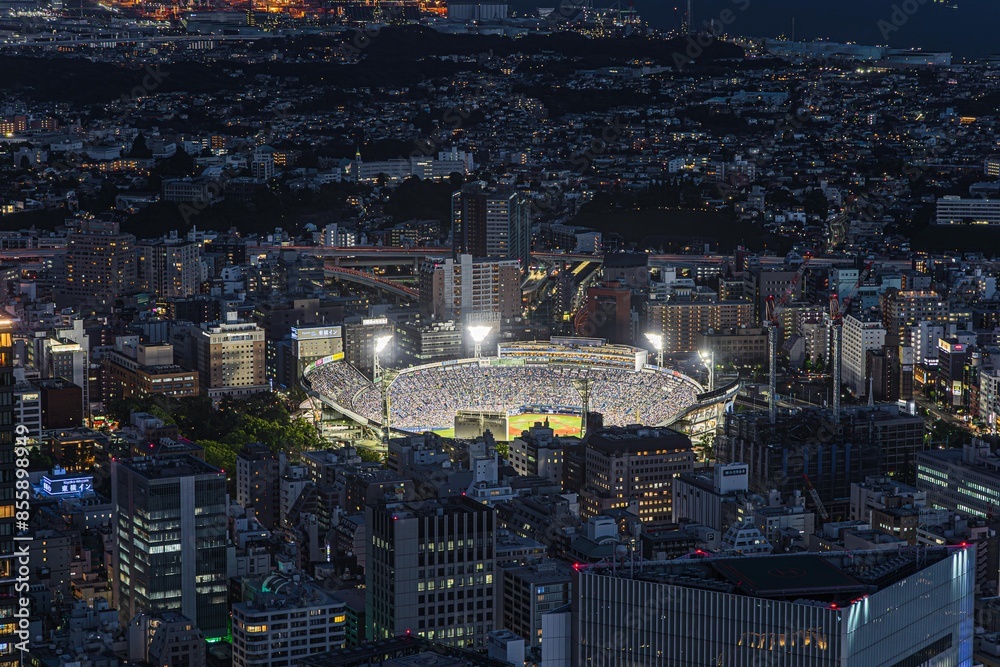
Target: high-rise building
<point>858,337</point>
<point>9,600</point>
<point>100,265</point>
<point>635,465</point>
<point>762,284</point>
<point>454,288</point>
<point>808,610</point>
<point>170,270</point>
<point>429,569</point>
<point>491,223</point>
<point>680,322</point>
<point>230,358</point>
<point>170,539</point>
<point>866,442</point>
<point>258,482</point>
<point>908,308</point>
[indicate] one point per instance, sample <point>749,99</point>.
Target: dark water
<point>967,28</point>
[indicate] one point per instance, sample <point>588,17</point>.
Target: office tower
<point>908,308</point>
<point>491,223</point>
<point>454,288</point>
<point>859,336</point>
<point>429,569</point>
<point>100,265</point>
<point>634,465</point>
<point>258,483</point>
<point>680,322</point>
<point>168,269</point>
<point>9,601</point>
<point>170,540</point>
<point>911,606</point>
<point>230,358</point>
<point>867,441</point>
<point>281,620</point>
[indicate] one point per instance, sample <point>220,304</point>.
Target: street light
<point>656,340</point>
<point>479,332</point>
<point>708,356</point>
<point>379,376</point>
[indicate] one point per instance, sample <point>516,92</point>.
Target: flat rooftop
<point>183,465</point>
<point>826,579</point>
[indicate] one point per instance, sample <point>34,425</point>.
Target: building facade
<point>453,288</point>
<point>805,610</point>
<point>100,265</point>
<point>429,570</point>
<point>634,465</point>
<point>170,547</point>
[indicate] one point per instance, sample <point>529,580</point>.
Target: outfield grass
<point>562,425</point>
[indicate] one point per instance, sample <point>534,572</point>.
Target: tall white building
<point>953,210</point>
<point>923,339</point>
<point>859,336</point>
<point>451,289</point>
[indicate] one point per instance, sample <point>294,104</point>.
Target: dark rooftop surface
<point>806,574</point>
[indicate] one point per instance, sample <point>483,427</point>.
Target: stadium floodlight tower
<point>708,357</point>
<point>378,375</point>
<point>656,340</point>
<point>479,332</point>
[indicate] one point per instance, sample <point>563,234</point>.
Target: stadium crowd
<point>340,382</point>
<point>427,399</point>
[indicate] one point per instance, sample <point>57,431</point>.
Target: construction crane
<point>839,308</point>
<point>773,311</point>
<point>814,494</point>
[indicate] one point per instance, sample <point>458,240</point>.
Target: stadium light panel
<point>479,332</point>
<point>381,342</point>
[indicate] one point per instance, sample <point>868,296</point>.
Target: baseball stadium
<point>525,382</point>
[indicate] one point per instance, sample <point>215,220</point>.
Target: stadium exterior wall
<point>622,621</point>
